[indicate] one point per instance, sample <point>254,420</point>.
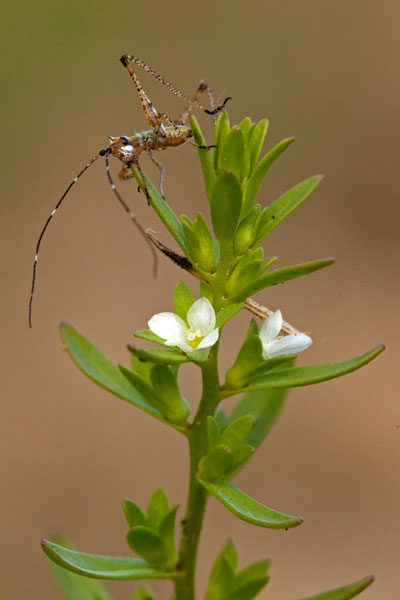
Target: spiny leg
<point>129,58</point>
<point>53,212</point>
<point>130,213</point>
<point>160,166</point>
<point>203,87</point>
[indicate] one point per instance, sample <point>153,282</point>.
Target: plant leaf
<point>264,407</point>
<point>73,586</point>
<point>158,356</point>
<point>206,156</point>
<point>227,312</point>
<point>344,593</point>
<point>232,155</point>
<point>226,203</point>
<point>282,275</point>
<point>134,514</point>
<point>103,567</point>
<point>164,211</point>
<point>102,371</point>
<point>147,544</point>
<point>256,140</point>
<point>298,376</point>
<point>284,205</point>
<point>247,509</point>
<point>259,173</point>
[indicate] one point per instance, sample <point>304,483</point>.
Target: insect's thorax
<point>128,148</point>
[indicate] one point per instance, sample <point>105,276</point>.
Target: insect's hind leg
<point>202,87</point>
<point>150,111</point>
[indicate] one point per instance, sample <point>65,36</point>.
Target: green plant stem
<point>192,524</point>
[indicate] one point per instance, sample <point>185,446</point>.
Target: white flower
<point>281,346</point>
<point>201,332</point>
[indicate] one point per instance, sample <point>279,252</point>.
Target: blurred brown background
<point>323,71</point>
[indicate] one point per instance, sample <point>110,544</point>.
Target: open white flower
<point>201,332</point>
<point>273,345</point>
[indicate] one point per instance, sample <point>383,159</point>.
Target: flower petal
<point>291,344</point>
<point>209,340</point>
<point>169,326</point>
<point>201,316</point>
<point>179,344</point>
<point>271,327</point>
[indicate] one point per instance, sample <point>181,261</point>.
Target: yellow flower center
<point>194,337</point>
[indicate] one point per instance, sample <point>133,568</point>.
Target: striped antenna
<point>106,154</point>
<point>53,212</point>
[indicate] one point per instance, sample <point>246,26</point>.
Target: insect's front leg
<point>126,173</point>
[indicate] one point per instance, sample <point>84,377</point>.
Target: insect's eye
<point>124,140</point>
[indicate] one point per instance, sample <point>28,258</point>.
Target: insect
<point>163,133</point>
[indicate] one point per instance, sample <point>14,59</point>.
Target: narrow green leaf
<point>299,376</point>
<point>73,586</point>
<point>102,371</point>
<point>247,509</point>
<point>141,366</point>
<point>142,592</point>
<point>248,359</point>
<point>103,567</point>
<point>227,312</point>
<point>164,211</point>
<point>232,155</point>
<point>143,387</point>
<point>226,202</point>
<point>284,206</point>
<point>222,574</point>
<point>158,356</point>
<point>280,276</point>
<point>222,128</point>
<point>254,571</point>
<point>157,508</point>
<point>246,125</point>
<point>183,300</point>
<point>344,593</point>
<point>259,173</point>
<point>236,433</point>
<point>147,544</point>
<point>216,464</point>
<point>134,514</point>
<point>249,590</point>
<point>167,532</point>
<point>146,334</point>
<point>264,407</point>
<point>206,156</point>
<point>257,140</point>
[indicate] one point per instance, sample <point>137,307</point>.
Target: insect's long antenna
<point>85,168</point>
<point>106,154</point>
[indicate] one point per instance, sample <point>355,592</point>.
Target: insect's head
<point>122,148</point>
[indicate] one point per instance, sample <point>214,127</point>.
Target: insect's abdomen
<point>177,136</point>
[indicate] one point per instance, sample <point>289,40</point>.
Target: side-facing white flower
<point>201,332</point>
<point>273,345</point>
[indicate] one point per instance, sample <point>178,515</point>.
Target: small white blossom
<point>201,332</point>
<point>273,345</point>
